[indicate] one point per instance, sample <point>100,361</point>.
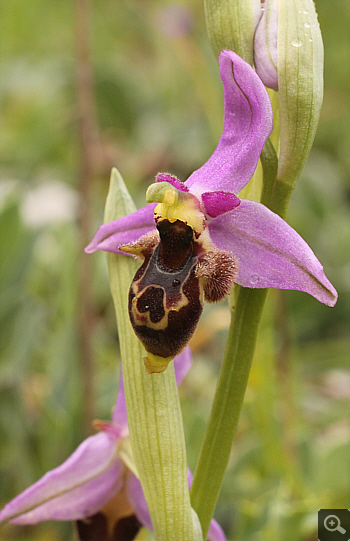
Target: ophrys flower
<point>204,228</point>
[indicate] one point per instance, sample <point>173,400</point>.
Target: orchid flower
<point>98,485</point>
<point>266,252</point>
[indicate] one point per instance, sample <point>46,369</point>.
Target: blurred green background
<point>156,105</point>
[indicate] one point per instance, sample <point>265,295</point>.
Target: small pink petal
<point>165,177</point>
<point>217,203</point>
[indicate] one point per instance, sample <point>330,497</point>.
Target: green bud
<point>289,56</point>
<point>300,68</point>
<point>231,25</point>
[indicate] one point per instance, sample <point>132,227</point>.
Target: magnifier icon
<point>332,524</point>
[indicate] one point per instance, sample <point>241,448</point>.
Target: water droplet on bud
<point>296,42</point>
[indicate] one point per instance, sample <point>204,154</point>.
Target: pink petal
<point>123,231</point>
<point>78,488</point>
<point>137,501</point>
<point>182,364</point>
<point>217,203</point>
<point>265,45</point>
<point>270,253</point>
<point>247,125</point>
<point>119,415</point>
<point>216,533</point>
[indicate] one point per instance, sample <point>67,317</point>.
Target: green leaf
<point>154,414</point>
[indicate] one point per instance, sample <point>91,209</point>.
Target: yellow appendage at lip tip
<point>155,364</point>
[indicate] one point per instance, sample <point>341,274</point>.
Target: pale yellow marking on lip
<point>144,317</point>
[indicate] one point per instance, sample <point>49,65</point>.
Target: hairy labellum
<point>166,294</point>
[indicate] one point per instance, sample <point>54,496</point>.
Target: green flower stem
<point>227,404</point>
<point>275,193</point>
<point>154,415</point>
<point>233,379</point>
